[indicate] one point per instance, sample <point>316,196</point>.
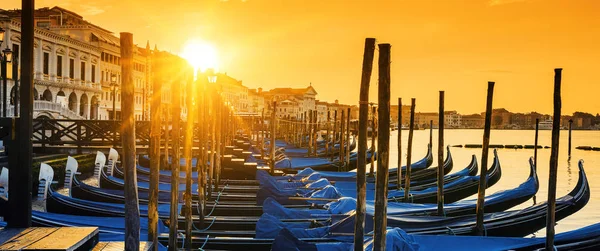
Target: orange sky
<point>456,46</point>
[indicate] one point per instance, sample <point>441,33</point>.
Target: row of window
<point>108,96</point>
<point>110,58</point>
<point>59,67</point>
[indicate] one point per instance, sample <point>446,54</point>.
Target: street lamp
<point>113,85</point>
<point>5,57</point>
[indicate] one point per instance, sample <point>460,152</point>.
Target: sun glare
<point>200,55</point>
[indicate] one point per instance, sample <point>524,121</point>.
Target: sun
<point>201,55</point>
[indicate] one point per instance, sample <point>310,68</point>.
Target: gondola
<point>500,201</point>
<point>453,191</point>
<point>586,238</point>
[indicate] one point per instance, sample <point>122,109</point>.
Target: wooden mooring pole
<point>535,146</point>
<point>550,215</point>
<point>272,144</point>
<point>383,144</point>
<point>327,134</point>
<point>175,122</point>
<point>155,130</point>
<point>440,172</point>
<point>203,139</point>
<point>342,138</point>
<point>399,175</point>
<point>409,150</point>
<point>347,151</point>
<point>132,211</point>
<point>363,116</point>
<point>479,228</point>
<point>334,137</point>
<point>570,127</point>
<point>188,144</point>
<point>310,133</point>
<point>373,137</point>
<point>20,183</point>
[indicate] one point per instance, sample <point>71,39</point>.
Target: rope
<point>450,231</point>
<point>484,230</point>
<point>205,241</point>
<point>209,225</point>
<point>217,201</point>
<point>183,240</point>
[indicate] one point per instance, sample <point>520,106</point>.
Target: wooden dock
<point>59,239</point>
<point>49,238</point>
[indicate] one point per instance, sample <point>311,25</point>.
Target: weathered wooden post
<point>347,151</point>
<point>440,173</point>
<point>335,112</point>
<point>188,144</point>
<point>570,127</point>
<point>479,229</point>
<point>363,116</point>
<point>167,132</point>
<point>315,131</point>
<point>132,211</point>
<point>155,130</point>
<point>409,150</point>
<point>213,122</point>
<point>535,146</point>
<point>219,138</point>
<point>342,139</point>
<point>310,132</point>
<point>373,137</point>
<point>203,147</point>
<point>383,144</point>
<point>273,145</point>
<point>550,215</point>
<point>399,175</point>
<point>175,122</point>
<point>262,130</point>
<point>19,213</point>
<point>327,135</point>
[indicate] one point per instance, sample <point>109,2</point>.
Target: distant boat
<point>546,125</point>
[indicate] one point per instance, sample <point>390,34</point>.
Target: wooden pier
<point>49,238</point>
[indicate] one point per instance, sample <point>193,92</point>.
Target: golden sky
<point>456,46</point>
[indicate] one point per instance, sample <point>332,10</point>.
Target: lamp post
<point>113,86</point>
<point>5,57</point>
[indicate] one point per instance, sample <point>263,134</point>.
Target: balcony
<point>47,106</point>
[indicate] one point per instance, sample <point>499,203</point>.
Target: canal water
<point>515,165</point>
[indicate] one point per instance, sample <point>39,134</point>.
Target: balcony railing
<point>47,106</point>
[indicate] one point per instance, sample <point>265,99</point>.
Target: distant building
<point>305,98</point>
<point>322,111</point>
<point>256,101</point>
<point>452,119</point>
<point>472,121</point>
<point>423,119</point>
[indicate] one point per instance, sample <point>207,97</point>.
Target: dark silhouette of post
<point>310,134</point>
<point>535,146</point>
<point>262,130</point>
<point>273,121</point>
<point>399,175</point>
<point>203,146</point>
<point>155,124</point>
<point>570,127</point>
<point>213,124</point>
<point>363,117</point>
<point>20,166</point>
<point>188,144</point>
<point>373,137</point>
<point>132,211</point>
<point>347,151</point>
<point>383,144</point>
<point>334,137</point>
<point>479,229</point>
<point>327,134</point>
<point>342,139</point>
<point>175,122</point>
<point>550,215</point>
<point>409,150</point>
<point>440,172</point>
